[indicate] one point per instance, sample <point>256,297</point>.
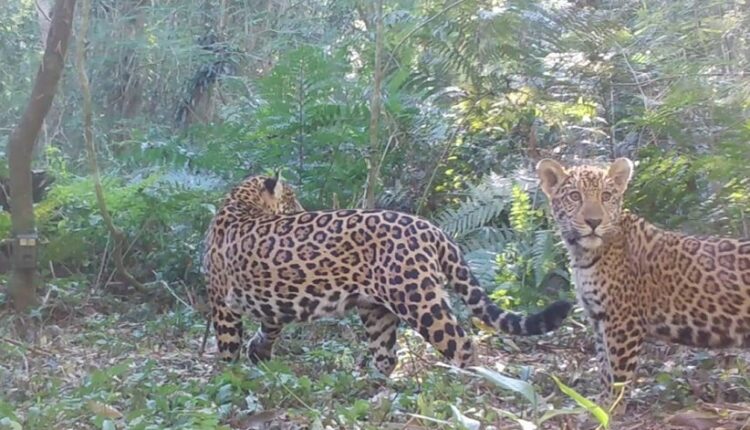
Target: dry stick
<point>32,348</point>
<point>88,136</point>
<point>105,258</point>
<point>448,145</point>
<point>205,337</point>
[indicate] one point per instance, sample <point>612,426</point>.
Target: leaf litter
<point>99,370</point>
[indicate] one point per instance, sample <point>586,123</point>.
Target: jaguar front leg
<point>260,346</point>
<point>618,345</point>
<point>381,326</point>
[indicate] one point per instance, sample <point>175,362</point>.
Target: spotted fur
<point>267,258</point>
<point>637,281</point>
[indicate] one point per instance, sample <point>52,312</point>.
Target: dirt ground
<point>95,367</point>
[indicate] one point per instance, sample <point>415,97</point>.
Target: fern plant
<point>507,241</point>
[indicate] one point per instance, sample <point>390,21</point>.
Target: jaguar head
<point>269,195</point>
<point>586,201</point>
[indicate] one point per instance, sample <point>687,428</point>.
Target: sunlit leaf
<point>599,413</point>
<point>523,388</point>
<point>463,421</point>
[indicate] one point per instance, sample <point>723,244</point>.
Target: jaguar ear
<point>274,185</point>
<point>621,170</point>
<point>551,174</point>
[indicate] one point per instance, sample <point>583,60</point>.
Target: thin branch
<point>32,348</point>
<point>118,235</point>
<point>41,10</point>
<point>205,337</point>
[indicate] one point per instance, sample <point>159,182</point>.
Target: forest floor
<point>90,366</point>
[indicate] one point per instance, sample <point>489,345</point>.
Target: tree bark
<point>52,119</point>
<point>22,285</point>
<point>373,161</point>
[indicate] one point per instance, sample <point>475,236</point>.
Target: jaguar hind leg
<point>228,329</point>
<point>427,311</point>
<point>381,326</point>
<point>260,346</point>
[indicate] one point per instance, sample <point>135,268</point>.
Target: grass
<point>130,366</point>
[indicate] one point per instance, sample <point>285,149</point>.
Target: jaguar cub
<point>268,258</point>
<point>637,281</point>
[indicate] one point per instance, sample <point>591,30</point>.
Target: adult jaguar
<point>267,257</point>
<point>637,281</point>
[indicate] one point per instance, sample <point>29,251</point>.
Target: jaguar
<point>636,281</point>
<point>267,258</point>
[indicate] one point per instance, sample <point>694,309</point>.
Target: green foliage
<point>472,92</point>
<point>18,40</point>
<point>313,119</point>
<point>510,247</point>
<point>173,207</point>
<point>665,189</point>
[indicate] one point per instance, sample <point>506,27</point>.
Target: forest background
<point>438,108</point>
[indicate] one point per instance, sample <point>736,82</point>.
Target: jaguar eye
<point>575,196</point>
<point>606,196</point>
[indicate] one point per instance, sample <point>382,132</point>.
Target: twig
<point>41,10</point>
<point>205,337</point>
<point>265,368</point>
<point>31,348</point>
<point>638,84</point>
<point>174,294</point>
<point>428,187</point>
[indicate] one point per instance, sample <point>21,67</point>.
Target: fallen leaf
<point>103,410</point>
<point>697,420</point>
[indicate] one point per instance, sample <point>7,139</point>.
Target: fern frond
<point>542,254</point>
<point>483,263</point>
<point>485,203</point>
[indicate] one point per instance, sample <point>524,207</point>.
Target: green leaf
<point>598,412</point>
<point>7,423</point>
<point>521,387</point>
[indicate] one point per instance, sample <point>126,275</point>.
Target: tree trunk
<point>374,158</point>
<point>52,120</point>
<point>22,286</point>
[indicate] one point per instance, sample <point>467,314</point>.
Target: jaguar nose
<point>593,222</point>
